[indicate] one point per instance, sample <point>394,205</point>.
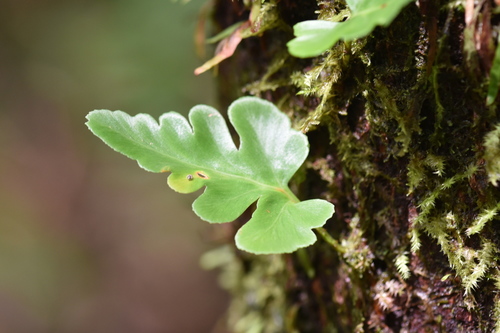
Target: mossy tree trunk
<point>397,123</point>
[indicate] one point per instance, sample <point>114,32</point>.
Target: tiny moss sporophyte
<point>201,153</point>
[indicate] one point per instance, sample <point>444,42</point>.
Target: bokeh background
<point>89,242</point>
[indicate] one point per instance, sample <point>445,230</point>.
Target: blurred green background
<point>89,242</point>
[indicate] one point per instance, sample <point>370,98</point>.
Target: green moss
<point>477,225</point>
<point>402,261</point>
<point>319,81</point>
<point>357,254</point>
<point>492,154</point>
<point>450,226</point>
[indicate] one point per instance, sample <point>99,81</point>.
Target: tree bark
<point>396,123</point>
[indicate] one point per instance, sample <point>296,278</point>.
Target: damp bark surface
<point>396,123</point>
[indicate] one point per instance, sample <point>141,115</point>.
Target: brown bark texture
<point>397,124</point>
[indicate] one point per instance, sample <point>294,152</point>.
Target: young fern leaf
<point>316,36</point>
<point>201,153</point>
